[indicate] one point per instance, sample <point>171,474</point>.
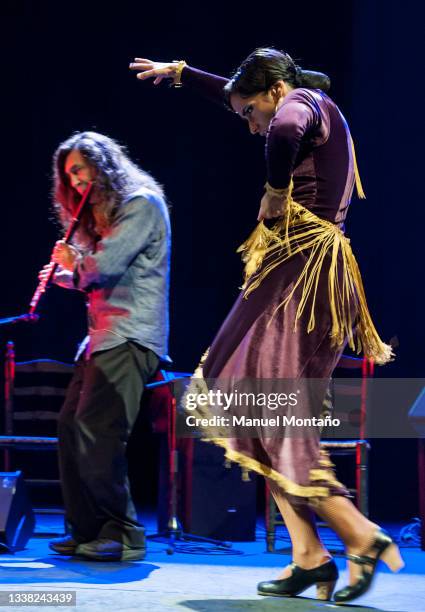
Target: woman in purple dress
<point>302,301</point>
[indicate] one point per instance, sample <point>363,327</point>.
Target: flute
<point>43,284</point>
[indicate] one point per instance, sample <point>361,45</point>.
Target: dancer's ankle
<point>309,559</point>
<point>362,540</point>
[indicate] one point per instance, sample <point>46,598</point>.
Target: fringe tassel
<point>245,475</point>
<point>256,247</point>
<point>359,187</point>
<point>301,230</point>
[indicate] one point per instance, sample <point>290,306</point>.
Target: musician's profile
<point>79,172</point>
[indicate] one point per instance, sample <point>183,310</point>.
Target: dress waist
<point>300,230</point>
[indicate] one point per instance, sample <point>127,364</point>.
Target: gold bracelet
<point>282,193</point>
<point>180,64</point>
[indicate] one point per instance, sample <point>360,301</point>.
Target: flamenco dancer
<point>302,302</point>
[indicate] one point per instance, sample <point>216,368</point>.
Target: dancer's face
<point>260,108</point>
<point>78,171</point>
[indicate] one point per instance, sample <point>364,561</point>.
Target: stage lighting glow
<point>28,564</point>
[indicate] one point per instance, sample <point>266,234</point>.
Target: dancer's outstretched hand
<point>147,69</point>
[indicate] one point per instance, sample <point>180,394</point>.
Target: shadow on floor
<point>293,604</point>
<point>54,569</point>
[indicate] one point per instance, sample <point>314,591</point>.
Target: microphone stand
<point>25,318</point>
<point>31,316</point>
<point>173,534</point>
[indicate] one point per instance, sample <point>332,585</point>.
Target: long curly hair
<point>116,178</point>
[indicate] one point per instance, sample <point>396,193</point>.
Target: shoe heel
<point>324,590</point>
<point>392,558</point>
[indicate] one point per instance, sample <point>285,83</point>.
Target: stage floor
<point>195,578</point>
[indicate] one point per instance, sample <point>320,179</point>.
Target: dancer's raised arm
<point>209,85</point>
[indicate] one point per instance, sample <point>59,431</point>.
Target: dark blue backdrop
<point>64,68</point>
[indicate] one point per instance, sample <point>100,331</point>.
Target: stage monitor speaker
<point>16,516</point>
<point>217,502</point>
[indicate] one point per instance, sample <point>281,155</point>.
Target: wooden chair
<point>34,393</point>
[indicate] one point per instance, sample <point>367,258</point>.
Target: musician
<point>120,259</point>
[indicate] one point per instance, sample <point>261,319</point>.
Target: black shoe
<point>64,546</point>
<point>387,551</point>
<point>324,576</point>
<point>104,549</point>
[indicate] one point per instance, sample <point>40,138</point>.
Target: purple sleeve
<point>208,85</point>
<point>297,116</point>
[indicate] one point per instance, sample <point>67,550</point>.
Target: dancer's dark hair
<point>264,67</point>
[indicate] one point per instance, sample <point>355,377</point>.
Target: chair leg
<point>362,476</point>
<point>6,461</point>
<point>270,520</point>
<point>421,473</point>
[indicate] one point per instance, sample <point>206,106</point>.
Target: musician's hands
<point>45,272</point>
<point>148,69</point>
<point>272,206</point>
<point>65,255</point>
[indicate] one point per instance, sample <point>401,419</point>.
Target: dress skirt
<point>258,340</point>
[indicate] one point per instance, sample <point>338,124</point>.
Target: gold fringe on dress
<point>300,230</point>
<point>322,478</point>
<point>359,187</point>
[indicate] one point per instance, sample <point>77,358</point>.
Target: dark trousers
<point>100,409</point>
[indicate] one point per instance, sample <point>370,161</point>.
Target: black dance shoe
<point>64,546</point>
<point>324,577</point>
<point>104,549</point>
<point>386,550</point>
